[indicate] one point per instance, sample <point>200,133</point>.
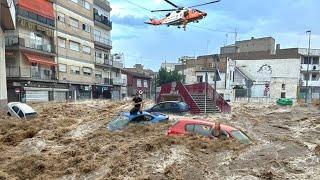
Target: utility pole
<point>308,64</point>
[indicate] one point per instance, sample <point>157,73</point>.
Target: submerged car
<point>21,110</point>
<point>124,119</point>
<point>207,129</point>
<point>170,107</point>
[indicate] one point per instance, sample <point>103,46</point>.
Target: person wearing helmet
<point>137,101</point>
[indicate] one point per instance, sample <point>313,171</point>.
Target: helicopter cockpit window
<point>168,14</point>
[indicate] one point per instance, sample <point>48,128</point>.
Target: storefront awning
<point>40,7</point>
<point>39,59</point>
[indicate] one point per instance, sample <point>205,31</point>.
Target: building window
<point>98,74</point>
<point>145,83</point>
<point>62,42</point>
<point>306,77</point>
<point>283,86</point>
<point>74,46</point>
<point>63,68</point>
<point>75,70</point>
<point>87,71</point>
<point>75,1</point>
<point>86,5</point>
<point>314,77</point>
<point>61,17</point>
<point>315,60</point>
<point>199,79</point>
<point>139,83</point>
<point>283,95</point>
<point>307,60</point>
<point>98,54</point>
<point>86,49</point>
<point>74,22</point>
<point>86,27</point>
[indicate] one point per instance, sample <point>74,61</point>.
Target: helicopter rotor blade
<point>163,10</point>
<point>204,4</point>
<point>171,3</point>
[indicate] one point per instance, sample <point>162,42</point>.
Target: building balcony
<point>104,42</point>
<point>119,81</point>
<point>102,20</point>
<point>35,17</point>
<point>103,81</point>
<point>312,67</point>
<point>312,83</point>
<point>30,44</point>
<point>103,62</point>
<point>30,73</point>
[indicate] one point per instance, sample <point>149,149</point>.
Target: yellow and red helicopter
<point>180,16</point>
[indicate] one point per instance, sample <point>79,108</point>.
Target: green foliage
<point>165,76</point>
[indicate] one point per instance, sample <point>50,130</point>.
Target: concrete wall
<point>3,83</point>
<point>274,72</point>
<point>78,8</point>
<point>261,44</point>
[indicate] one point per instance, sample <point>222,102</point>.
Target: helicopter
<point>180,16</point>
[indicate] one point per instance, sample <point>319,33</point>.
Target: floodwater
<point>71,141</point>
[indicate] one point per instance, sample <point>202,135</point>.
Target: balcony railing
<point>30,72</point>
<point>12,41</point>
<point>312,67</point>
<point>35,17</point>
<point>102,19</point>
<point>103,40</point>
<point>103,81</point>
<point>103,61</point>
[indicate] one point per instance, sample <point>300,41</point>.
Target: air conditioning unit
<point>314,68</point>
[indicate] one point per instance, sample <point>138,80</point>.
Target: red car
<point>207,129</point>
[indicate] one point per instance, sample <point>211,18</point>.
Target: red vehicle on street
<point>208,129</point>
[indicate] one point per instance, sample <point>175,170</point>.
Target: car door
<point>175,108</point>
<point>15,110</point>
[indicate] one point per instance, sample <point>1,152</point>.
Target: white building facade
<point>263,78</point>
<point>7,22</point>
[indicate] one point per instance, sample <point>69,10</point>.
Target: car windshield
<point>241,137</point>
<point>119,123</point>
<point>31,115</point>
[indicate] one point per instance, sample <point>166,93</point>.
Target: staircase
<point>209,106</point>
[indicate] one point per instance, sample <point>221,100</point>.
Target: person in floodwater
<point>217,130</point>
<point>137,100</point>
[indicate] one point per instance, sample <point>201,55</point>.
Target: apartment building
<point>309,73</point>
<point>31,67</point>
<point>250,45</point>
<point>103,60</point>
<point>75,46</point>
<point>7,22</point>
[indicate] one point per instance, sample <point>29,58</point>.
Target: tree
<point>165,76</point>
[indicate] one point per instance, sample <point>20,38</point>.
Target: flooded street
<point>71,141</point>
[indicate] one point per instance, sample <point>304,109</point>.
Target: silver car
<point>21,110</point>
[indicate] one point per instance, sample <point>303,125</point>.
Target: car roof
<point>135,115</point>
<point>24,107</point>
<point>209,123</point>
<point>170,102</point>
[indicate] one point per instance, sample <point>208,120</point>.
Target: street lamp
<point>309,60</point>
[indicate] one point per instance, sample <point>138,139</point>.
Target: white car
<point>21,110</point>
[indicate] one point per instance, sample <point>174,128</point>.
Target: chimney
<point>278,47</point>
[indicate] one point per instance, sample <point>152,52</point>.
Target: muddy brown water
<point>70,141</point>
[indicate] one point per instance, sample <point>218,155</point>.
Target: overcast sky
<point>285,20</point>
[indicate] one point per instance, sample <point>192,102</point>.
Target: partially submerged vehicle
<point>170,107</point>
<point>207,129</point>
<point>21,110</point>
<point>123,120</point>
